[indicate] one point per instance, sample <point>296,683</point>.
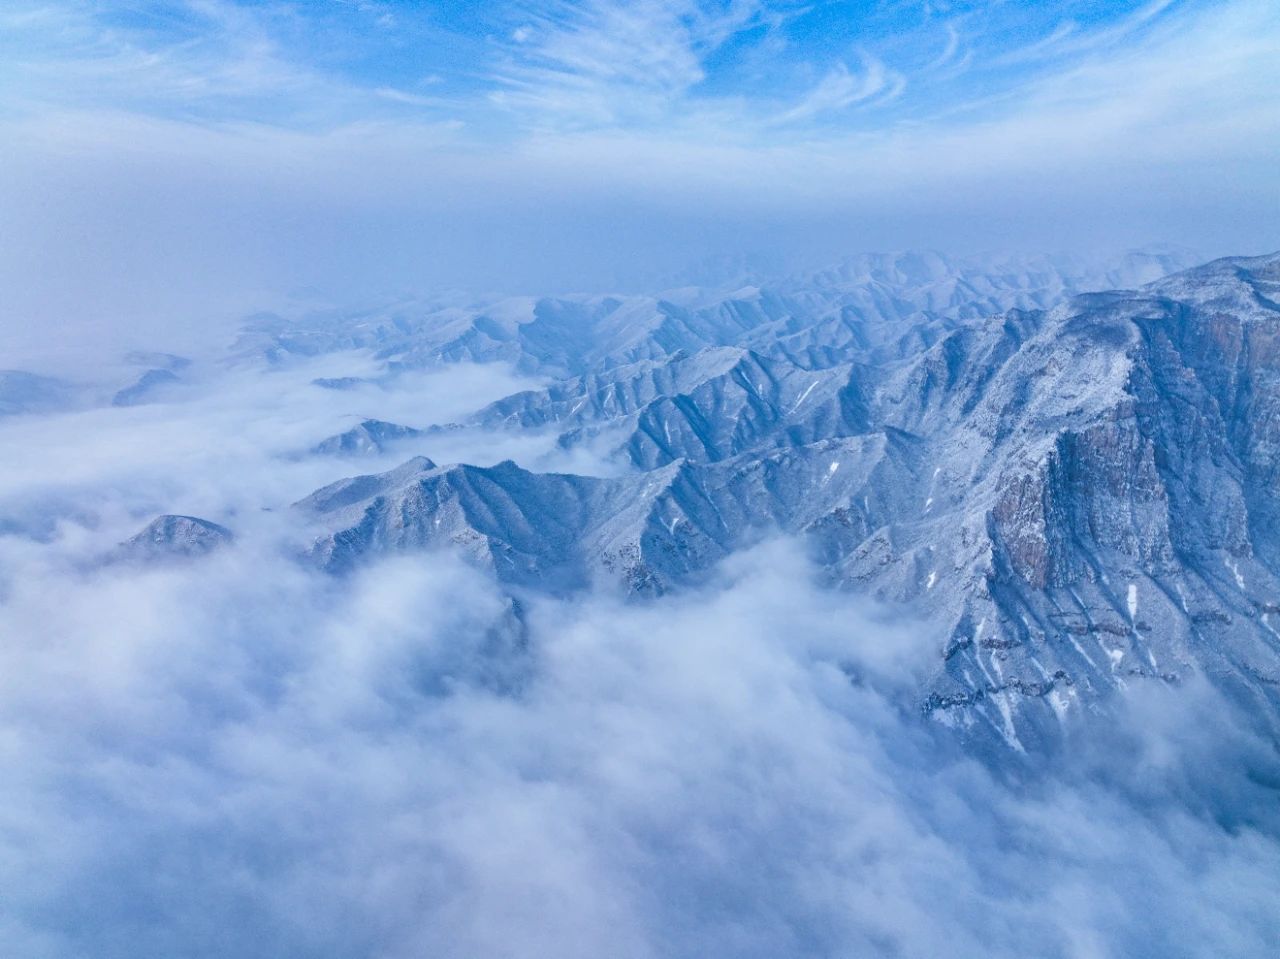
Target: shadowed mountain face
<point>1080,498</point>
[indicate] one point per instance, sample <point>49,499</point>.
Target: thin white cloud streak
<point>228,65</point>
<point>231,56</point>
<point>603,62</point>
<point>840,89</point>
<point>1070,40</point>
<point>1036,49</point>
<point>949,51</point>
<point>415,99</point>
<point>1085,42</point>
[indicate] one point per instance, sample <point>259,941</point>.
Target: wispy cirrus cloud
<point>605,62</point>
<point>1072,38</point>
<point>193,60</point>
<point>575,144</point>
<point>949,52</point>
<point>571,64</point>
<point>841,88</point>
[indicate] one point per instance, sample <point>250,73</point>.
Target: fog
<point>244,756</point>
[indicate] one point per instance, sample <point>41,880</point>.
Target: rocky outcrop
<point>1080,498</point>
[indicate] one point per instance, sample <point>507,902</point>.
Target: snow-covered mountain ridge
<point>883,304</point>
<point>1081,497</point>
<point>1076,491</point>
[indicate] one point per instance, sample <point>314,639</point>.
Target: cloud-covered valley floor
<point>243,756</point>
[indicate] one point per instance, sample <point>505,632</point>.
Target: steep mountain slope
<point>648,529</point>
<point>701,407</point>
<point>1078,499</point>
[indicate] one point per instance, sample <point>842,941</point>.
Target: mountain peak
<point>173,536</point>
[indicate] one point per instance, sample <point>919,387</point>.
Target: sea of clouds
<point>242,756</point>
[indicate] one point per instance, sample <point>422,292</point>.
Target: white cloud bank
<point>250,760</point>
<point>242,757</point>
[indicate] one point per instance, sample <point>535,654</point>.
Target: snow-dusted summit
<point>1078,498</point>
<point>171,537</point>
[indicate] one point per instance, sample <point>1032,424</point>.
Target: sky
<point>168,162</point>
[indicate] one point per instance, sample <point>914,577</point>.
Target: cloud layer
<point>244,757</point>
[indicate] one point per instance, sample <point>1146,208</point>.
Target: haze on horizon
<point>169,163</point>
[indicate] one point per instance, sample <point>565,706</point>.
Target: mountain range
<point>1071,475</point>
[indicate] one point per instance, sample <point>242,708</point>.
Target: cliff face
<point>1079,498</point>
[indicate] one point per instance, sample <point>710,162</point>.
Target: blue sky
<point>502,70</point>
<point>158,153</point>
